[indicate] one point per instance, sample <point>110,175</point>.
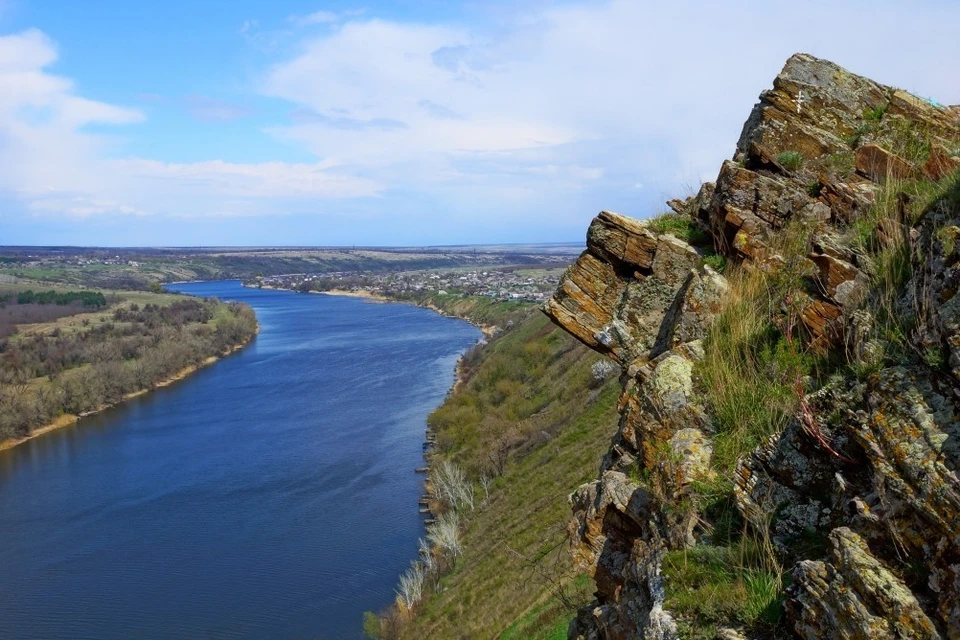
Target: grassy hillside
<point>532,416</point>
<point>480,310</point>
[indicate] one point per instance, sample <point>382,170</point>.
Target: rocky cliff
<point>785,463</point>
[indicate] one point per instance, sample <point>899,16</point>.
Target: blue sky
<point>300,122</point>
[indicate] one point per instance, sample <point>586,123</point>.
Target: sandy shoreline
<point>367,295</point>
<point>68,419</point>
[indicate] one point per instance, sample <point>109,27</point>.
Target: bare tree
<point>603,369</point>
<point>426,554</point>
<point>486,481</point>
<point>451,485</point>
<point>498,451</point>
<point>411,585</point>
<point>445,534</point>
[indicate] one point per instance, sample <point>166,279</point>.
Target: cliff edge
<point>785,463</point>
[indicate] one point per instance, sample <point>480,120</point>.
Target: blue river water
<point>270,495</point>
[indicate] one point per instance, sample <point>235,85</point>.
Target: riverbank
<point>68,419</point>
<point>522,424</point>
<point>487,329</point>
<point>366,295</point>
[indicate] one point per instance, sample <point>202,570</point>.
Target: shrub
<point>875,115</point>
<point>854,140</point>
<point>680,226</point>
<point>790,160</point>
<point>716,262</point>
<point>371,625</point>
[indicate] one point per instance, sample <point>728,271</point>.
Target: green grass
<point>790,160</point>
<point>680,226</point>
<point>875,115</point>
<point>842,163</point>
<point>533,385</point>
<point>889,264</point>
<point>712,585</point>
<point>548,621</point>
<point>716,262</point>
<point>749,370</point>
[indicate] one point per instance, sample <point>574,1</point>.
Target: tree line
<point>85,298</point>
<point>96,363</point>
<point>30,307</point>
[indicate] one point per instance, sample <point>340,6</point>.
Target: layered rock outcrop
<point>869,464</point>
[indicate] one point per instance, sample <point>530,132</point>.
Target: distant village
<point>530,284</point>
<point>48,260</point>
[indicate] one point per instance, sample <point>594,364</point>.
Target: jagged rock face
<point>939,283</point>
<point>853,596</point>
<point>876,475</point>
<point>815,106</point>
<point>644,299</point>
<point>893,478</point>
<point>794,163</point>
<point>619,293</point>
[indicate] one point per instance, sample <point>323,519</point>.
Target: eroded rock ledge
<point>879,481</point>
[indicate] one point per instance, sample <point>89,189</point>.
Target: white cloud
<point>324,17</point>
<point>56,166</point>
<point>538,117</point>
<point>627,89</point>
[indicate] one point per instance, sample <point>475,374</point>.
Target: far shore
<point>368,295</point>
<point>488,330</point>
<point>68,419</point>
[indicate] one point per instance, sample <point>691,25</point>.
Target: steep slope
<point>786,458</point>
<point>531,417</point>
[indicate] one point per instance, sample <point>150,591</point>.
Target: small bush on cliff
<point>790,160</point>
<point>716,262</point>
<point>680,226</point>
<point>875,115</point>
<point>842,163</point>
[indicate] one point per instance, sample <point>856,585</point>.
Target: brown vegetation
<point>46,371</point>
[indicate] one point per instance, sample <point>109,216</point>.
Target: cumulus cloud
<point>590,97</point>
<point>55,165</point>
<point>537,116</point>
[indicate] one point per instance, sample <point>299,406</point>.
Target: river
<point>271,494</point>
